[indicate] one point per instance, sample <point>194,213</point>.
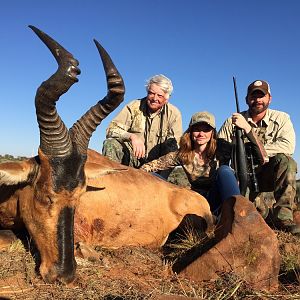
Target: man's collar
<point>265,120</point>
<point>153,114</point>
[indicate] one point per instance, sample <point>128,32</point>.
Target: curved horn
<point>82,130</point>
<point>54,136</point>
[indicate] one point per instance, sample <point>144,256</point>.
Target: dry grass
<point>290,255</point>
<point>136,273</point>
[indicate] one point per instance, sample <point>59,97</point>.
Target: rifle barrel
<point>236,95</point>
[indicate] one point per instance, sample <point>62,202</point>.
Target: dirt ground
<point>133,273</point>
<point>127,273</point>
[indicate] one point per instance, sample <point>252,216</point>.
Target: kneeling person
<point>276,135</point>
<point>197,156</point>
<point>146,128</point>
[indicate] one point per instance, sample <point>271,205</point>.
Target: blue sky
<point>199,44</point>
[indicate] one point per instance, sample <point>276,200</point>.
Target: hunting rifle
<point>243,156</point>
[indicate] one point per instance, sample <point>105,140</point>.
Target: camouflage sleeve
<point>258,150</point>
<point>165,162</point>
<point>118,128</point>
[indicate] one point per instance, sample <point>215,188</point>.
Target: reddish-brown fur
<point>115,205</point>
<point>124,207</point>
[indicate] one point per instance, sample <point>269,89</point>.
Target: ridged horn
<point>83,129</point>
<point>54,136</point>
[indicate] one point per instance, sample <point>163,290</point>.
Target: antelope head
<point>55,178</point>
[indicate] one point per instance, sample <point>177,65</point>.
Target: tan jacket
<point>153,130</point>
<point>275,131</point>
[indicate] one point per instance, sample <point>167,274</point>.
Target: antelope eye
<point>49,200</point>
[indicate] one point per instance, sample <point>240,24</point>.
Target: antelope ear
<point>94,171</point>
<point>12,173</point>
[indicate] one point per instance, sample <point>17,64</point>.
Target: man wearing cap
<point>276,136</point>
<point>146,128</point>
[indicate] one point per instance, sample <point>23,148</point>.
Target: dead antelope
<point>42,193</point>
<point>69,193</point>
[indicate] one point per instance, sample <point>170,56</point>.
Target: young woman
<point>196,155</point>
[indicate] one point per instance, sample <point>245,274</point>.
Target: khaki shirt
<point>134,118</point>
<point>275,131</point>
<point>200,177</point>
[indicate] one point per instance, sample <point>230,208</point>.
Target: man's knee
<point>113,149</point>
<point>285,162</point>
<point>111,145</point>
<point>288,168</point>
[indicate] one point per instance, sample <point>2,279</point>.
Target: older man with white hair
<point>146,128</point>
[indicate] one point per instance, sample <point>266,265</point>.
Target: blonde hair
<point>186,151</point>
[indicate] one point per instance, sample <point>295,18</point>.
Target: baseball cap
<point>259,85</point>
<point>204,117</point>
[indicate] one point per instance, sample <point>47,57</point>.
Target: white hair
<point>162,81</point>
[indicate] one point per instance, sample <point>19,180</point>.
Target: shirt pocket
<point>271,136</point>
<point>138,124</point>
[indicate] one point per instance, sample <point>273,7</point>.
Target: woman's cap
<point>203,117</point>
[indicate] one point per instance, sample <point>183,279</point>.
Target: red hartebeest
<point>115,205</point>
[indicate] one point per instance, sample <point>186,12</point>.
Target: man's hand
<point>138,146</point>
<point>239,121</point>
